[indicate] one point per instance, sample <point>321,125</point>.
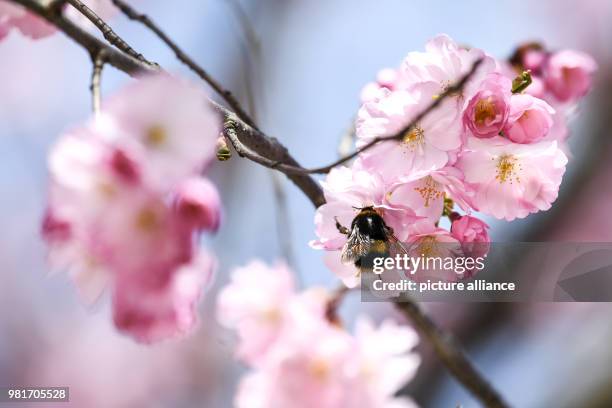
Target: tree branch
<point>107,31</point>
<point>249,142</point>
<point>96,77</point>
<point>452,355</point>
<point>132,14</point>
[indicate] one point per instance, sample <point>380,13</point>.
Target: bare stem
<point>132,14</point>
<point>107,31</point>
<point>96,79</point>
<point>452,355</point>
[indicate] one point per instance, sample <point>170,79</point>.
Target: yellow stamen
<point>146,220</point>
<point>484,110</point>
<point>507,169</point>
<point>156,135</point>
<point>414,138</point>
<point>430,190</point>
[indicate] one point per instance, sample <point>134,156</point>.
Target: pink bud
<point>530,119</point>
<point>55,229</point>
<point>124,167</point>
<point>568,74</point>
<point>487,112</point>
<point>198,203</point>
<point>473,235</point>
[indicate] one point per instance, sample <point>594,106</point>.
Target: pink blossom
<point>473,235</point>
<point>425,192</point>
<point>429,145</point>
<point>30,25</point>
<point>198,203</point>
<point>347,190</point>
<point>150,314</point>
<point>444,62</point>
<point>124,211</point>
<point>437,248</point>
<point>487,112</point>
<point>512,180</point>
<point>530,119</point>
<point>336,370</point>
<point>165,123</point>
<point>255,304</point>
<point>568,74</point>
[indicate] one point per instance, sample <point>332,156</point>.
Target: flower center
<point>156,135</point>
<point>319,369</point>
<point>484,111</point>
<point>146,220</point>
<point>507,169</point>
<point>428,246</point>
<point>414,137</point>
<point>429,191</point>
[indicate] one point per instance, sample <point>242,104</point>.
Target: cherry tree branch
<point>107,31</point>
<point>96,78</point>
<point>233,103</point>
<point>452,355</point>
<point>253,144</point>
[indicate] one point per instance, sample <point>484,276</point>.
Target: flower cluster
<point>496,146</point>
<point>295,351</point>
<point>127,203</point>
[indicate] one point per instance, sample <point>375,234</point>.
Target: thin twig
<point>107,31</point>
<point>452,355</point>
<point>132,14</point>
<point>457,87</point>
<point>96,79</point>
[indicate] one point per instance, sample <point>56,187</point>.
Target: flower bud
<point>198,203</point>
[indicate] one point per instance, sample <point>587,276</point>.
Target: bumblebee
<point>368,238</point>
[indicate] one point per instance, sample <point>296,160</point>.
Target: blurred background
<point>314,57</point>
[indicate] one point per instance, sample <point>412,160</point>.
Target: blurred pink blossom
<point>568,74</point>
<point>30,25</point>
<point>126,205</point>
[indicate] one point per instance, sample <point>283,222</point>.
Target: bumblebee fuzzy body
<point>368,238</point>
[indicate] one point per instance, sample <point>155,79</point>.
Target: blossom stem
<point>96,79</point>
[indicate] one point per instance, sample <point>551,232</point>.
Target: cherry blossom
<point>30,25</point>
<point>254,304</point>
<point>473,235</point>
<point>429,145</point>
<point>124,214</point>
<point>512,180</point>
<point>337,370</point>
<point>166,123</point>
<point>530,119</point>
<point>568,74</point>
<point>487,112</point>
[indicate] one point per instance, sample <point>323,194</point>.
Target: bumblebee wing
<point>395,246</point>
<point>356,246</point>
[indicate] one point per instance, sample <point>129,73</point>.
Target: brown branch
<point>452,355</point>
<point>96,77</point>
<point>457,87</point>
<point>132,14</point>
<point>107,31</point>
<point>249,142</point>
